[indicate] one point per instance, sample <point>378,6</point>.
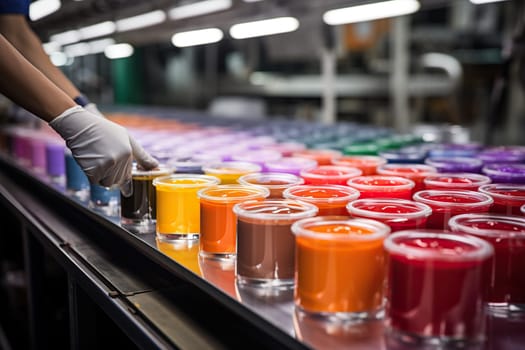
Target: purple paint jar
<point>38,156</point>
<point>22,147</point>
<point>502,155</point>
<point>290,165</point>
<point>259,157</point>
<point>286,148</point>
<point>56,163</point>
<point>455,164</point>
<point>455,150</point>
<point>224,153</point>
<point>192,164</point>
<point>505,172</point>
<point>259,142</point>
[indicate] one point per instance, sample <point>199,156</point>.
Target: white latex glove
<point>103,149</point>
<point>142,157</point>
<point>91,107</point>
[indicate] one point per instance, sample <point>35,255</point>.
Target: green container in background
<point>366,149</point>
<point>128,79</point>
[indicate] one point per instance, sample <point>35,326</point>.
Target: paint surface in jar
<point>339,275</point>
<point>382,186</point>
<point>417,301</point>
<point>178,210</point>
<point>331,200</point>
<point>218,221</point>
<point>398,215</point>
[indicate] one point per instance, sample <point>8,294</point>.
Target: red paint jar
<point>455,181</point>
<point>508,198</point>
<point>446,204</point>
<point>398,214</point>
<point>414,172</point>
<point>329,175</point>
<point>380,186</point>
<point>435,288</point>
<point>506,234</point>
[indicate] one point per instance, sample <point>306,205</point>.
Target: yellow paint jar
<point>178,206</point>
<point>229,172</point>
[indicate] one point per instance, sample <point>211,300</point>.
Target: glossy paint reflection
<point>334,333</point>
<point>183,251</point>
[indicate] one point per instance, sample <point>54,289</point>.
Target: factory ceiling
<point>74,14</point>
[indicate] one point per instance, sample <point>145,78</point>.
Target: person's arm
<point>17,31</point>
<point>28,87</point>
<point>103,149</point>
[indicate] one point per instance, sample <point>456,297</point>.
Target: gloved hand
<point>145,160</point>
<point>103,149</point>
<point>91,107</point>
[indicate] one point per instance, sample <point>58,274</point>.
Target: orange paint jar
<point>367,164</point>
<point>340,266</point>
<point>218,221</point>
<point>330,199</point>
<point>321,156</point>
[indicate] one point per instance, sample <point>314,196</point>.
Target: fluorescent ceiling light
<point>141,21</point>
<point>258,78</point>
<point>479,2</point>
<point>77,50</point>
<point>199,8</point>
<point>64,38</point>
<point>197,37</point>
<point>93,31</point>
<point>42,8</point>
<point>118,51</point>
<point>369,12</point>
<point>98,46</point>
<point>59,59</point>
<point>88,48</point>
<point>51,47</point>
<point>265,27</point>
<point>99,29</point>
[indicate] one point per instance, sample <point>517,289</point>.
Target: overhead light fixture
<point>64,38</point>
<point>95,30</point>
<point>98,46</point>
<point>264,27</point>
<point>59,59</point>
<point>122,50</point>
<point>199,8</point>
<point>77,50</point>
<point>140,21</point>
<point>197,37</point>
<point>479,2</point>
<point>258,78</point>
<point>370,12</point>
<point>88,48</point>
<point>51,47</point>
<point>42,8</point>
